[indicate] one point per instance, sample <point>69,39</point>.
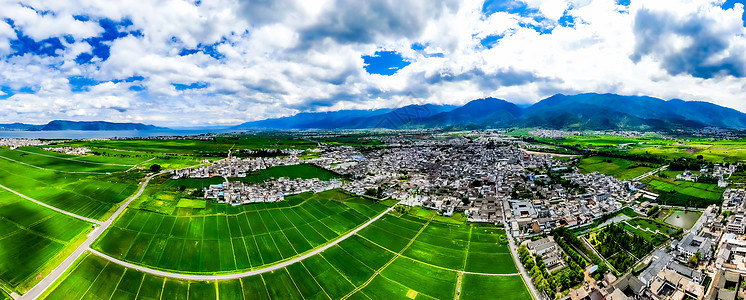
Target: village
<point>492,178</point>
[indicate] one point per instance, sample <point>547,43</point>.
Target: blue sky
<point>223,62</point>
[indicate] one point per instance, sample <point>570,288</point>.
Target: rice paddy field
<point>252,236</point>
<point>33,240</point>
<point>91,194</point>
<point>684,193</point>
<point>617,167</point>
<point>382,261</point>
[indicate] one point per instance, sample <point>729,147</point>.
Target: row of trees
<point>543,281</point>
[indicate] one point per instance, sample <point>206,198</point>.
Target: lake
<point>105,134</point>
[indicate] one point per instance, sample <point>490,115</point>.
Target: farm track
<point>52,207</point>
<point>52,277</point>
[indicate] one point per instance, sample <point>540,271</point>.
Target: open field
<point>367,265</point>
<point>55,162</point>
<point>617,167</point>
<point>684,193</point>
<point>302,171</point>
<point>32,240</point>
<point>683,219</point>
<point>259,235</point>
<point>83,194</point>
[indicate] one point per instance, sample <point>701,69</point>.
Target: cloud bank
<point>222,62</point>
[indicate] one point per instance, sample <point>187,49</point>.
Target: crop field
<point>259,235</point>
<point>202,147</point>
<point>617,167</point>
<point>83,194</point>
<point>32,239</point>
<point>57,163</point>
<point>302,171</point>
<point>684,193</point>
<point>367,265</point>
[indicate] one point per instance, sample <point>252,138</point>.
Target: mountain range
<point>590,111</point>
<point>78,125</point>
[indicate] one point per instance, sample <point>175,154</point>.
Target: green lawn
<point>617,167</point>
<point>32,238</point>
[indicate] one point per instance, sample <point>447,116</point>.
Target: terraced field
<point>379,262</point>
<point>32,239</point>
<point>259,235</point>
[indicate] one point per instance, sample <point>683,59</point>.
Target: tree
<point>155,168</point>
<point>700,157</point>
<point>694,260</point>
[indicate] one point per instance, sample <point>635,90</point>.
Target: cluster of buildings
<point>69,150</point>
<point>237,193</point>
<point>17,143</point>
<point>718,171</point>
<point>235,167</point>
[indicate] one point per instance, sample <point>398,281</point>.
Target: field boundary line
<point>377,272</point>
<point>55,274</point>
<point>243,274</point>
<point>53,170</point>
<point>75,159</point>
<point>440,267</point>
<point>52,207</point>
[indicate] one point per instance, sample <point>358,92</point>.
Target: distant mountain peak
<point>593,111</point>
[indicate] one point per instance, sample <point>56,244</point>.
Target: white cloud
<point>276,58</point>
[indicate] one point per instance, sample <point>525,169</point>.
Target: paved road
<point>518,264</point>
<point>244,274</point>
<point>45,283</point>
<point>52,207</point>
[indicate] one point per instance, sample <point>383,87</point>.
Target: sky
<point>223,62</point>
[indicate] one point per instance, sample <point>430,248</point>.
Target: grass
<point>346,269</point>
<point>32,240</point>
<point>258,236</point>
<point>620,168</point>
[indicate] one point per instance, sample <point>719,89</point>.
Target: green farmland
<point>49,180</point>
<point>377,263</point>
<point>684,193</point>
<point>258,235</point>
<point>33,239</point>
<point>302,171</point>
<point>620,168</point>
